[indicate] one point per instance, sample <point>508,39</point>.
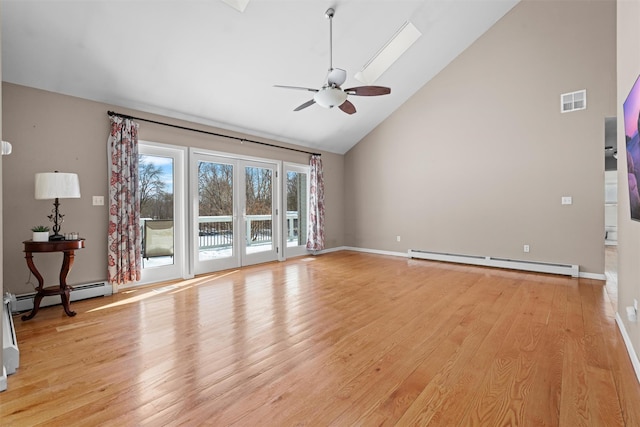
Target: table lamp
<point>56,185</point>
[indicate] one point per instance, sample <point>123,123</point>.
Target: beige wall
<point>628,231</point>
<point>477,161</point>
<point>56,132</point>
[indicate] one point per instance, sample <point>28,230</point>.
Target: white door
<point>162,212</point>
<point>296,207</point>
<point>234,212</point>
<point>259,221</point>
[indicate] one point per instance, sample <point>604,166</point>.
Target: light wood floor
<point>340,339</point>
<point>611,273</point>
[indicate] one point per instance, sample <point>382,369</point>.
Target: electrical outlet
<point>526,248</point>
<point>98,200</point>
<point>398,238</point>
<point>567,200</point>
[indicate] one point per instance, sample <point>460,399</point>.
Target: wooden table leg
<point>67,263</point>
<point>64,290</point>
<point>38,298</point>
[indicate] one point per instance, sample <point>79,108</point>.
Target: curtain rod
<point>126,116</point>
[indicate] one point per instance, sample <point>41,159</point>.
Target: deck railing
<point>217,231</point>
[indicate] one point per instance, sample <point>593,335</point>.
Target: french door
<point>296,203</point>
<point>235,215</point>
<point>162,211</point>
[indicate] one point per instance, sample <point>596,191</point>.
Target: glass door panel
<point>259,209</point>
<point>259,212</point>
<point>161,190</point>
<point>215,226</point>
<point>234,212</point>
<point>156,209</point>
<point>296,203</point>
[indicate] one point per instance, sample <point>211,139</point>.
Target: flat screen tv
<point>631,109</point>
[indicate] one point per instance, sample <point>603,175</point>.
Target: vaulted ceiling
<point>207,62</point>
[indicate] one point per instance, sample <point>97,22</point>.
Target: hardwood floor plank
<point>371,340</point>
<point>435,397</point>
<point>389,378</point>
<point>344,338</point>
<point>542,406</point>
<point>588,383</point>
<point>500,399</point>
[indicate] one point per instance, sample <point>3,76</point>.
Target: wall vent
<point>573,101</point>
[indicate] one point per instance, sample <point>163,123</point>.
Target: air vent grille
<point>573,101</point>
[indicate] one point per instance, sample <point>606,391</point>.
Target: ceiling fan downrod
<point>329,14</point>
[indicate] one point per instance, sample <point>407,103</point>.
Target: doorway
<point>611,208</point>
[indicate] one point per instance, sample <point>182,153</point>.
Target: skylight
<point>390,52</point>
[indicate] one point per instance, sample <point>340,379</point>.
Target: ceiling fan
<point>331,94</point>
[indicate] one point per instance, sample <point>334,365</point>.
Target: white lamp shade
<point>329,97</point>
<point>56,185</point>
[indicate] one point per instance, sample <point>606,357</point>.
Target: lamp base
<point>56,237</point>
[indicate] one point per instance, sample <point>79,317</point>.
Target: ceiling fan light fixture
<point>399,43</point>
<point>331,94</point>
<point>329,97</point>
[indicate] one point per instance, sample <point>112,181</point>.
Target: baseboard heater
<point>24,302</point>
<point>10,352</point>
<point>538,267</point>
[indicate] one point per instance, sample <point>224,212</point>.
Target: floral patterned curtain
<point>315,234</point>
<point>124,236</point>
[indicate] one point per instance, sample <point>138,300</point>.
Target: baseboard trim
<point>375,251</point>
<point>595,276</point>
<point>630,350</point>
<point>328,251</point>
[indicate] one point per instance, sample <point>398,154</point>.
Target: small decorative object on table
<point>40,233</point>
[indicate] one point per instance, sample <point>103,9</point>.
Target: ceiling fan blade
<point>368,90</point>
<point>297,87</point>
<point>305,105</point>
<point>336,77</point>
<point>347,107</point>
